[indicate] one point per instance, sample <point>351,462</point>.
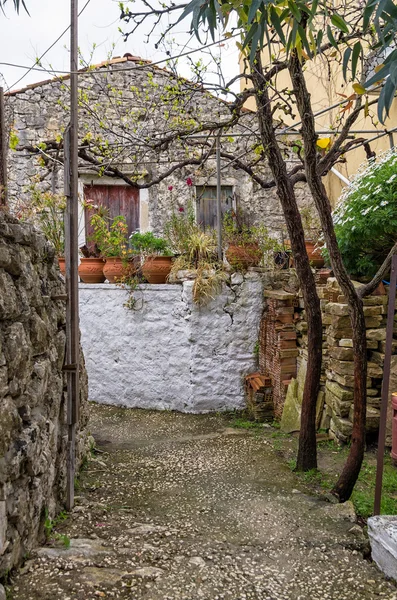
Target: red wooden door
<point>118,199</point>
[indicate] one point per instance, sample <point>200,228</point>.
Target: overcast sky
<point>23,38</point>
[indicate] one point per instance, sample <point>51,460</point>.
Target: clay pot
<point>62,265</point>
<point>157,268</point>
<point>91,270</point>
<point>114,269</point>
<point>314,254</point>
<point>242,257</point>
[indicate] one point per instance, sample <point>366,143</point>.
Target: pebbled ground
<point>183,507</point>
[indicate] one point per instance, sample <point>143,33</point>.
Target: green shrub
<point>366,218</point>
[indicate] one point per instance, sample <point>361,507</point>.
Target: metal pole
<point>3,152</point>
<point>218,198</point>
<point>385,385</point>
<point>71,255</point>
<point>391,140</point>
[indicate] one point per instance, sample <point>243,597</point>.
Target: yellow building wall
<point>325,84</point>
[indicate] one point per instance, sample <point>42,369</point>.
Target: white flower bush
<point>366,217</point>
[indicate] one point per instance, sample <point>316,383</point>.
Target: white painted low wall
<point>170,354</point>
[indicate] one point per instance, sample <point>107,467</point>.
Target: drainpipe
<point>340,176</point>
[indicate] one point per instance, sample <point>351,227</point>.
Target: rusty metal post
<point>71,255</point>
<point>3,152</point>
<point>218,198</point>
<point>394,428</point>
<point>385,385</point>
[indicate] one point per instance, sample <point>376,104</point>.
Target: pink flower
<point>189,181</point>
<point>170,188</point>
<point>181,209</point>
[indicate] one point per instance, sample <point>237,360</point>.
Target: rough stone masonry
<point>33,430</point>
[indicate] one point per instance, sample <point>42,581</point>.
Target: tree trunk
<point>307,453</point>
<point>345,484</point>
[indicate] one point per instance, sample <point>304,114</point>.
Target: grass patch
<point>245,424</point>
<point>364,492</point>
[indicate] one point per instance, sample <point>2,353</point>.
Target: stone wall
<point>33,430</point>
<point>171,354</point>
<point>336,397</point>
<point>39,114</point>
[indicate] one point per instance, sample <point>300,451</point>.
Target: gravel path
<point>182,507</point>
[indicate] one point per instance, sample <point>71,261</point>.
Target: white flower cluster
<point>349,199</point>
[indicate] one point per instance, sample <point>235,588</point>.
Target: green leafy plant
<point>110,235</point>
<point>147,244</point>
<point>366,218</point>
<point>238,231</point>
<point>197,251</point>
<point>46,210</point>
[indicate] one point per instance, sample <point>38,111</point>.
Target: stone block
<point>372,311</point>
<point>343,367</point>
<point>279,295</point>
<point>339,407</point>
<point>371,322</point>
<point>344,394</point>
<point>325,421</point>
<point>372,344</point>
<point>378,335</point>
<point>340,353</point>
<point>372,392</point>
<point>337,309</point>
<point>382,347</point>
<point>382,532</point>
<point>327,319</point>
<point>319,408</point>
<point>347,380</point>
<point>377,357</point>
<point>336,434</point>
<point>393,389</point>
<point>374,401</point>
<point>375,301</point>
<point>339,334</point>
<point>291,417</point>
<point>346,343</point>
<point>344,426</point>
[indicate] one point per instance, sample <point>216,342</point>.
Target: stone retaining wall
<point>335,401</point>
<point>171,354</point>
<point>33,430</point>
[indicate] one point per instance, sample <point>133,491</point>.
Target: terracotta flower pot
<point>242,257</point>
<point>91,270</point>
<point>62,265</point>
<point>157,268</point>
<point>314,254</point>
<point>114,269</point>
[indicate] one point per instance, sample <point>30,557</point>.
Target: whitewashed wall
<point>170,354</point>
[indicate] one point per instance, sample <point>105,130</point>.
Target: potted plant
<point>91,265</point>
<point>197,255</point>
<point>312,228</point>
<point>157,258</point>
<point>111,237</point>
<point>244,248</point>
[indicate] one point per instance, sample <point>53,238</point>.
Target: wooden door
<point>118,199</point>
<point>206,204</point>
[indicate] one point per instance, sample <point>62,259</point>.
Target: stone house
<point>136,149</point>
